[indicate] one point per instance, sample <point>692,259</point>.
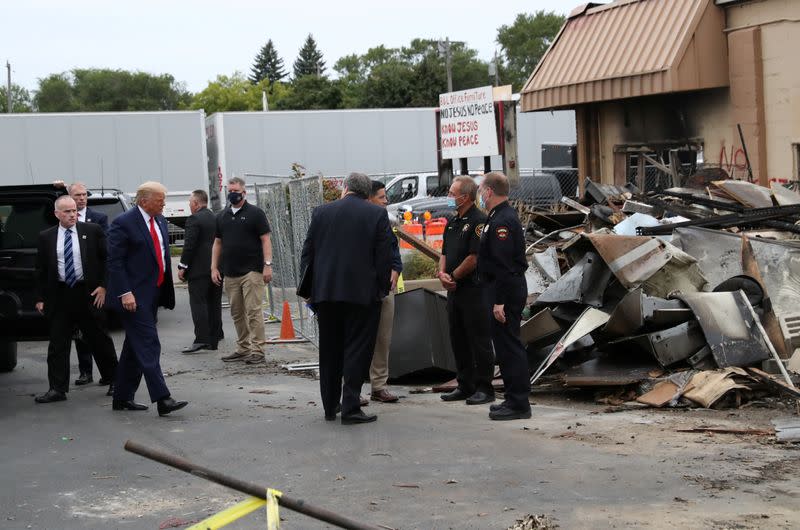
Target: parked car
<point>24,212</point>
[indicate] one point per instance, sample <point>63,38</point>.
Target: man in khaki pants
<point>243,244</point>
<point>379,369</point>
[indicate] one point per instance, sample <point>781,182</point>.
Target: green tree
<point>55,94</point>
<point>309,60</point>
<point>312,92</point>
<point>20,99</point>
<point>524,43</point>
<point>109,90</point>
<point>267,65</point>
<point>235,93</point>
<point>430,70</point>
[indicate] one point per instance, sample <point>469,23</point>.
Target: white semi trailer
<point>263,145</point>
<point>108,150</point>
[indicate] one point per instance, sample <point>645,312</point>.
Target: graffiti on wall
<point>733,161</point>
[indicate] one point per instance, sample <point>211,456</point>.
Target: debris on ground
<point>534,522</point>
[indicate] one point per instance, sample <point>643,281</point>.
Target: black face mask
<point>235,197</point>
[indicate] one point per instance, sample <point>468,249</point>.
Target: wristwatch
<point>268,264</point>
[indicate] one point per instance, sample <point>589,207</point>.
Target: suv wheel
<point>8,356</point>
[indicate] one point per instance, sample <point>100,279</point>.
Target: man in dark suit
<point>140,280</point>
<point>71,274</point>
<point>205,297</point>
<point>80,195</point>
<point>349,255</point>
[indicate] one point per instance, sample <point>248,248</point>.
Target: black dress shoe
<point>110,390</point>
<point>455,395</point>
<point>506,413</point>
<point>104,381</point>
<point>498,406</point>
<point>167,405</point>
<point>51,396</point>
<point>118,404</point>
<point>84,379</point>
<point>479,398</point>
<point>358,417</point>
<point>196,347</point>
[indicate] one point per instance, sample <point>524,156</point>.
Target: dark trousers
<point>347,334</point>
<point>470,337</point>
<point>205,302</point>
<point>141,353</point>
<point>83,349</point>
<point>511,354</point>
<point>71,307</point>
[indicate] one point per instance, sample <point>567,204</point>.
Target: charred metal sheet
<point>637,207</point>
<point>538,326</point>
<point>702,360</point>
<point>608,372</point>
<point>752,217</point>
<point>602,193</point>
<point>747,193</point>
<point>719,255</point>
<point>421,335</point>
<point>748,285</point>
<point>667,346</point>
<point>729,327</point>
<point>637,312</point>
<point>590,320</point>
<point>783,196</point>
<point>584,283</point>
<point>632,259</point>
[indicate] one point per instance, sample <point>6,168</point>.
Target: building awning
<point>631,48</point>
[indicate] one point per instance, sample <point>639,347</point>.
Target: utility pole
<point>264,104</point>
<point>496,70</point>
<point>8,90</point>
<point>444,49</point>
<point>448,62</point>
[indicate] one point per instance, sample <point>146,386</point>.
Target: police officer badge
<point>479,230</point>
<point>466,227</point>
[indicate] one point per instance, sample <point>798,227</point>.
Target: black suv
<point>24,212</point>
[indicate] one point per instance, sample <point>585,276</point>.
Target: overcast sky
<point>197,40</point>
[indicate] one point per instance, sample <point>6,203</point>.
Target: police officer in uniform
<point>467,305</point>
<point>502,264</point>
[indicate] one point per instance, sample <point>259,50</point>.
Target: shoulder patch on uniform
<point>502,233</point>
<point>479,230</point>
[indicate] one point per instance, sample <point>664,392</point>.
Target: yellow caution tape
<point>273,515</point>
<point>226,517</point>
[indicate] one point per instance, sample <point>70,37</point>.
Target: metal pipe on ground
<point>297,505</point>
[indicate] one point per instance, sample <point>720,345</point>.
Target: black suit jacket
<point>197,242</point>
<point>92,243</point>
<point>349,251</point>
<point>97,217</point>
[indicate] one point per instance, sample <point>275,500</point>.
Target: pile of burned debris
<point>686,296</point>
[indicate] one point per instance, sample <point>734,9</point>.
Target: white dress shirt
<point>82,215</point>
<point>160,237</point>
<point>76,254</point>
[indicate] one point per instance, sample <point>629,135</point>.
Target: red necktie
<point>159,257</point>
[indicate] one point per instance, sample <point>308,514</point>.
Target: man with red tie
<point>140,280</point>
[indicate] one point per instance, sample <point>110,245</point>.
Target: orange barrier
<point>434,232</point>
<point>414,229</point>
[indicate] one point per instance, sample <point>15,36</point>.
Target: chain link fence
<point>288,205</point>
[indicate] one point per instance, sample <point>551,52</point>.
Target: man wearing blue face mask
<point>467,305</point>
<point>243,244</point>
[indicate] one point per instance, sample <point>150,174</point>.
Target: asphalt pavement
<point>423,464</point>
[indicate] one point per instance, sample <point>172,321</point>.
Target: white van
<point>405,187</point>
